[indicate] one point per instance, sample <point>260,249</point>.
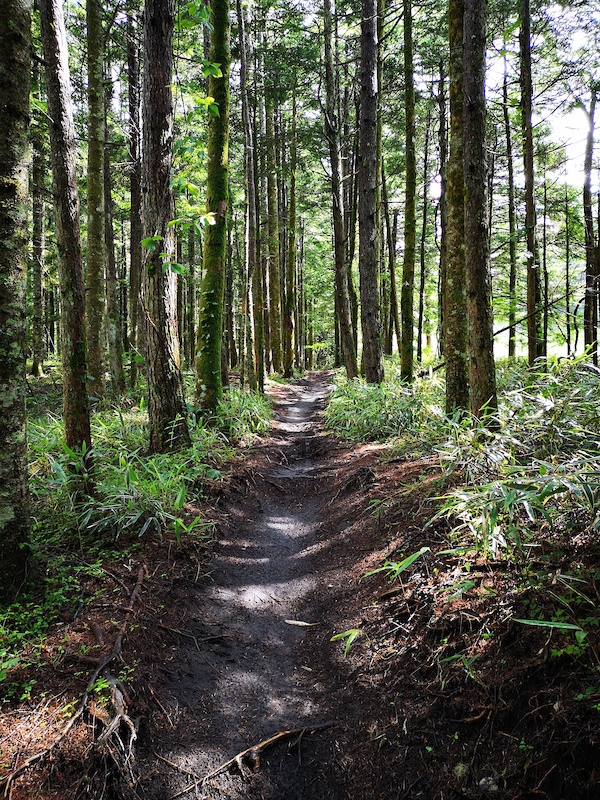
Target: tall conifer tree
<point>209,386</point>
<point>15,69</point>
<point>166,405</point>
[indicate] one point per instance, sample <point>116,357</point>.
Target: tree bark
<point>273,239</point>
<point>535,348</point>
<point>592,276</point>
<point>135,189</point>
<point>190,328</point>
<point>332,132</point>
<point>368,171</point>
<point>15,68</point>
<point>290,272</point>
<point>482,376</point>
<point>38,245</point>
<point>96,246</point>
<point>209,382</point>
<point>113,309</point>
<point>443,205</point>
<point>68,239</point>
<point>567,272</point>
<point>166,405</point>
<point>512,225</point>
<point>455,296</point>
<point>422,258</point>
<point>391,225</point>
<point>410,205</point>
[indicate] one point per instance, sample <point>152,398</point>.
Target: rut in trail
<point>253,674</point>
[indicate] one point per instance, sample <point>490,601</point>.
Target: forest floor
<point>237,690</point>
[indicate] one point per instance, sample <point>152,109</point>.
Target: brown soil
<point>440,695</point>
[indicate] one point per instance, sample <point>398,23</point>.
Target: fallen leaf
<point>299,624</point>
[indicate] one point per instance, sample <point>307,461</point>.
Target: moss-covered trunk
<point>68,239</point>
<point>38,255</point>
<point>368,171</point>
<point>482,376</point>
<point>166,405</point>
<point>135,189</point>
<point>455,293</point>
<point>209,385</point>
<point>15,68</point>
<point>96,249</point>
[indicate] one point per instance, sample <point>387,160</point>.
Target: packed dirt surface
<point>237,690</point>
<point>262,623</point>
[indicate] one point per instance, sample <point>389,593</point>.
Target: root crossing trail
<point>261,662</point>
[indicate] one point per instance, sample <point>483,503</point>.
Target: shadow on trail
<point>254,672</point>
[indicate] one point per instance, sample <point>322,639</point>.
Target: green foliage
<point>539,468</point>
<point>243,414</point>
<point>349,637</point>
<point>411,414</point>
<point>135,496</point>
<point>396,568</point>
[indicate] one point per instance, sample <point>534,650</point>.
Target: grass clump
<point>409,414</point>
<point>537,472</point>
<point>530,470</point>
<point>243,415</point>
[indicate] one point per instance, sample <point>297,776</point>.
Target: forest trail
<point>264,663</point>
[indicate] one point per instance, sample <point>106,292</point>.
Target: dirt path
<point>254,673</point>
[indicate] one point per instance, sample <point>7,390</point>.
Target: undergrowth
<point>409,416</point>
<point>521,490</point>
<point>533,470</point>
<point>136,496</point>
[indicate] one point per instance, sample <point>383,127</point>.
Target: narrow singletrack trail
<point>262,662</point>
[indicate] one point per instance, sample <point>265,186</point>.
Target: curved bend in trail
<point>256,672</point>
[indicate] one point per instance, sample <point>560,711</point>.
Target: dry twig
<point>250,754</point>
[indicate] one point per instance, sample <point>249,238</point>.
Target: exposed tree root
<point>250,757</point>
<point>121,752</point>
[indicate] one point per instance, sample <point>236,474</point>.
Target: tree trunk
<point>273,239</point>
<point>535,347</point>
<point>288,314</point>
<point>567,272</point>
<point>590,314</point>
<point>545,265</point>
<point>350,179</point>
<point>66,204</point>
<point>166,405</point>
<point>443,204</point>
<point>135,188</point>
<point>391,224</point>
<point>96,248</point>
<point>113,309</point>
<point>38,245</point>
<point>410,204</point>
<point>332,132</point>
<point>15,68</point>
<point>209,385</point>
<point>512,226</point>
<point>482,376</point>
<point>423,265</point>
<point>190,328</point>
<point>368,171</point>
<point>455,296</point>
